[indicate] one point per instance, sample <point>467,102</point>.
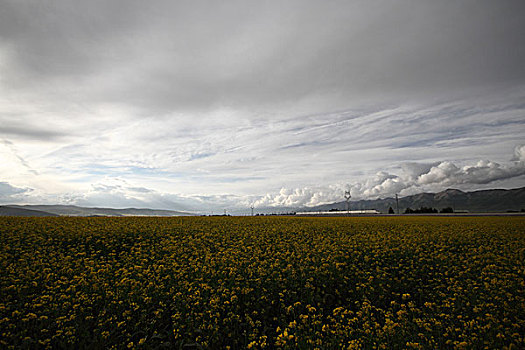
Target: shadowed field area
<point>262,282</point>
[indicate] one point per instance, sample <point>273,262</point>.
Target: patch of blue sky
<point>228,179</point>
<point>143,170</point>
<point>81,180</point>
<point>89,169</point>
<point>201,155</point>
<point>115,170</point>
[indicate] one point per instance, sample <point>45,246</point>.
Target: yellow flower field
<point>262,282</point>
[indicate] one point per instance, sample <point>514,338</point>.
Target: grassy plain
<point>262,282</point>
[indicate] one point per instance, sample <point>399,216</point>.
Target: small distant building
<point>338,213</point>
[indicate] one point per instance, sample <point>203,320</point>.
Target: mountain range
<point>483,201</point>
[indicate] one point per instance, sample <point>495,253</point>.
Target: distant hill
<point>11,211</point>
<point>483,201</point>
<point>72,210</point>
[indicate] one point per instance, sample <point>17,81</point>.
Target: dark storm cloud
<point>27,132</point>
<point>262,56</point>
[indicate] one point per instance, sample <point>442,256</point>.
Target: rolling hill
<point>16,211</point>
<point>72,210</point>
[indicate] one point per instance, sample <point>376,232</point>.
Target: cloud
<point>299,197</point>
<point>519,153</point>
<point>9,192</point>
<point>12,161</point>
<point>119,193</point>
<point>484,172</point>
<point>24,131</point>
<point>414,178</point>
<point>267,57</point>
<point>190,167</point>
<point>210,103</point>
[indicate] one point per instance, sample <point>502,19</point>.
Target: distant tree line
<point>428,210</point>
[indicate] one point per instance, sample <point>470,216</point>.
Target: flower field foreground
<point>262,282</point>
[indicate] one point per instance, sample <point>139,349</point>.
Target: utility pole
<point>347,197</point>
<point>397,204</point>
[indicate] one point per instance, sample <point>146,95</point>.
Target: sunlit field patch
<point>262,282</point>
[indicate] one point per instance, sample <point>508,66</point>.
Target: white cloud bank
<point>413,178</point>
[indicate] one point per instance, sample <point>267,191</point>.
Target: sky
<point>212,105</point>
